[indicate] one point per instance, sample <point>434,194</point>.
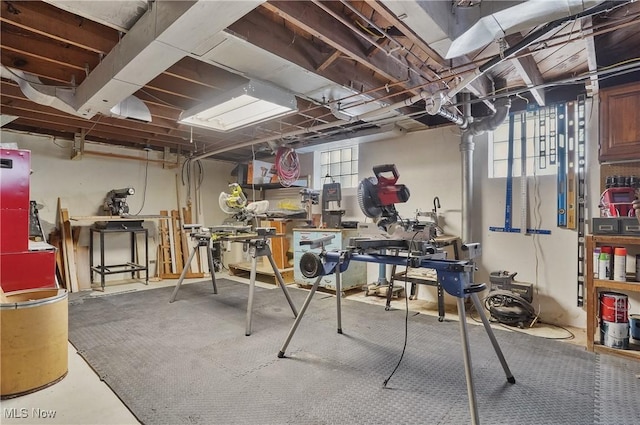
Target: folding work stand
<point>258,247</point>
<point>455,278</point>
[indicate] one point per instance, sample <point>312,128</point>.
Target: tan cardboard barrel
<point>34,325</point>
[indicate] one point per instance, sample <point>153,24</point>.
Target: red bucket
<point>614,307</point>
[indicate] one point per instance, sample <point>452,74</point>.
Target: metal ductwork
<point>167,32</point>
<point>515,19</point>
<point>526,42</point>
<point>61,98</point>
<point>56,97</point>
<point>491,122</point>
<point>131,108</point>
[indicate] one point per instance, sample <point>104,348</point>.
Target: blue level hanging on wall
<point>571,166</point>
<point>562,164</point>
<point>508,204</point>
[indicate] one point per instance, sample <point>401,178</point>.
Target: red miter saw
<point>378,195</point>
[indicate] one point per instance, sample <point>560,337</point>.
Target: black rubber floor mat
<point>189,362</point>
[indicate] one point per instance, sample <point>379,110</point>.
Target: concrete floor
<point>81,398</point>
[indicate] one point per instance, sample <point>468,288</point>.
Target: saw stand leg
<point>307,301</point>
<point>468,369</point>
<point>260,248</point>
<point>201,242</point>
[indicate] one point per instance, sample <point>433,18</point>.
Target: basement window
<point>340,165</point>
<point>541,144</point>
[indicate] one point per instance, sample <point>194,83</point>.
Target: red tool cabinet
<point>23,264</point>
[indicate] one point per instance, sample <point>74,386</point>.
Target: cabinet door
<point>620,123</point>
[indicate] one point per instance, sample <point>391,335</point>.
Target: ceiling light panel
<point>249,104</point>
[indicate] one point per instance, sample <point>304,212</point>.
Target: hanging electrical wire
<point>287,166</point>
<point>189,169</point>
<point>146,175</point>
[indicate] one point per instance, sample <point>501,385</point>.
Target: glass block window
<point>540,146</point>
<point>340,165</point>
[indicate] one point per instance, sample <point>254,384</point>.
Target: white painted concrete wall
<point>83,184</point>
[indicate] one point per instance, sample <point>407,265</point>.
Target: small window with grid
<point>340,165</point>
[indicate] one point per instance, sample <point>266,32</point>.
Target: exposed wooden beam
<point>335,55</point>
<point>434,63</point>
<point>259,30</point>
<point>47,48</point>
<point>528,70</point>
<point>68,131</point>
<point>105,127</point>
<point>328,29</point>
<point>199,72</point>
<point>56,72</point>
<point>49,21</point>
<point>407,32</point>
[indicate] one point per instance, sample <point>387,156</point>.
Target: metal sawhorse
<point>453,275</point>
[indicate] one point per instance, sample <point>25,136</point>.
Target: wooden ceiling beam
<point>105,125</point>
<point>12,96</point>
<point>36,126</point>
<point>61,74</point>
<point>253,28</point>
<point>528,69</point>
<point>319,21</point>
<point>199,72</point>
<point>47,49</point>
<point>182,88</point>
<point>65,133</point>
<point>12,92</point>
<point>380,9</point>
<point>481,87</point>
<point>49,21</point>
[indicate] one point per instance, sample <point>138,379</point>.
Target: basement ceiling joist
<point>375,55</point>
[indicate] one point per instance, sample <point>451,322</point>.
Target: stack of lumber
<point>176,245</point>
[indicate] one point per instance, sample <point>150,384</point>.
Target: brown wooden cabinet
<point>620,123</point>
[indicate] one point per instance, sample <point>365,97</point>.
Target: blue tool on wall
<point>508,205</point>
<point>562,165</point>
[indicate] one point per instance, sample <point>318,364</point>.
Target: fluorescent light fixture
<point>246,105</point>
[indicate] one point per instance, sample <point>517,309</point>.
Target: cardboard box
<point>261,172</point>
